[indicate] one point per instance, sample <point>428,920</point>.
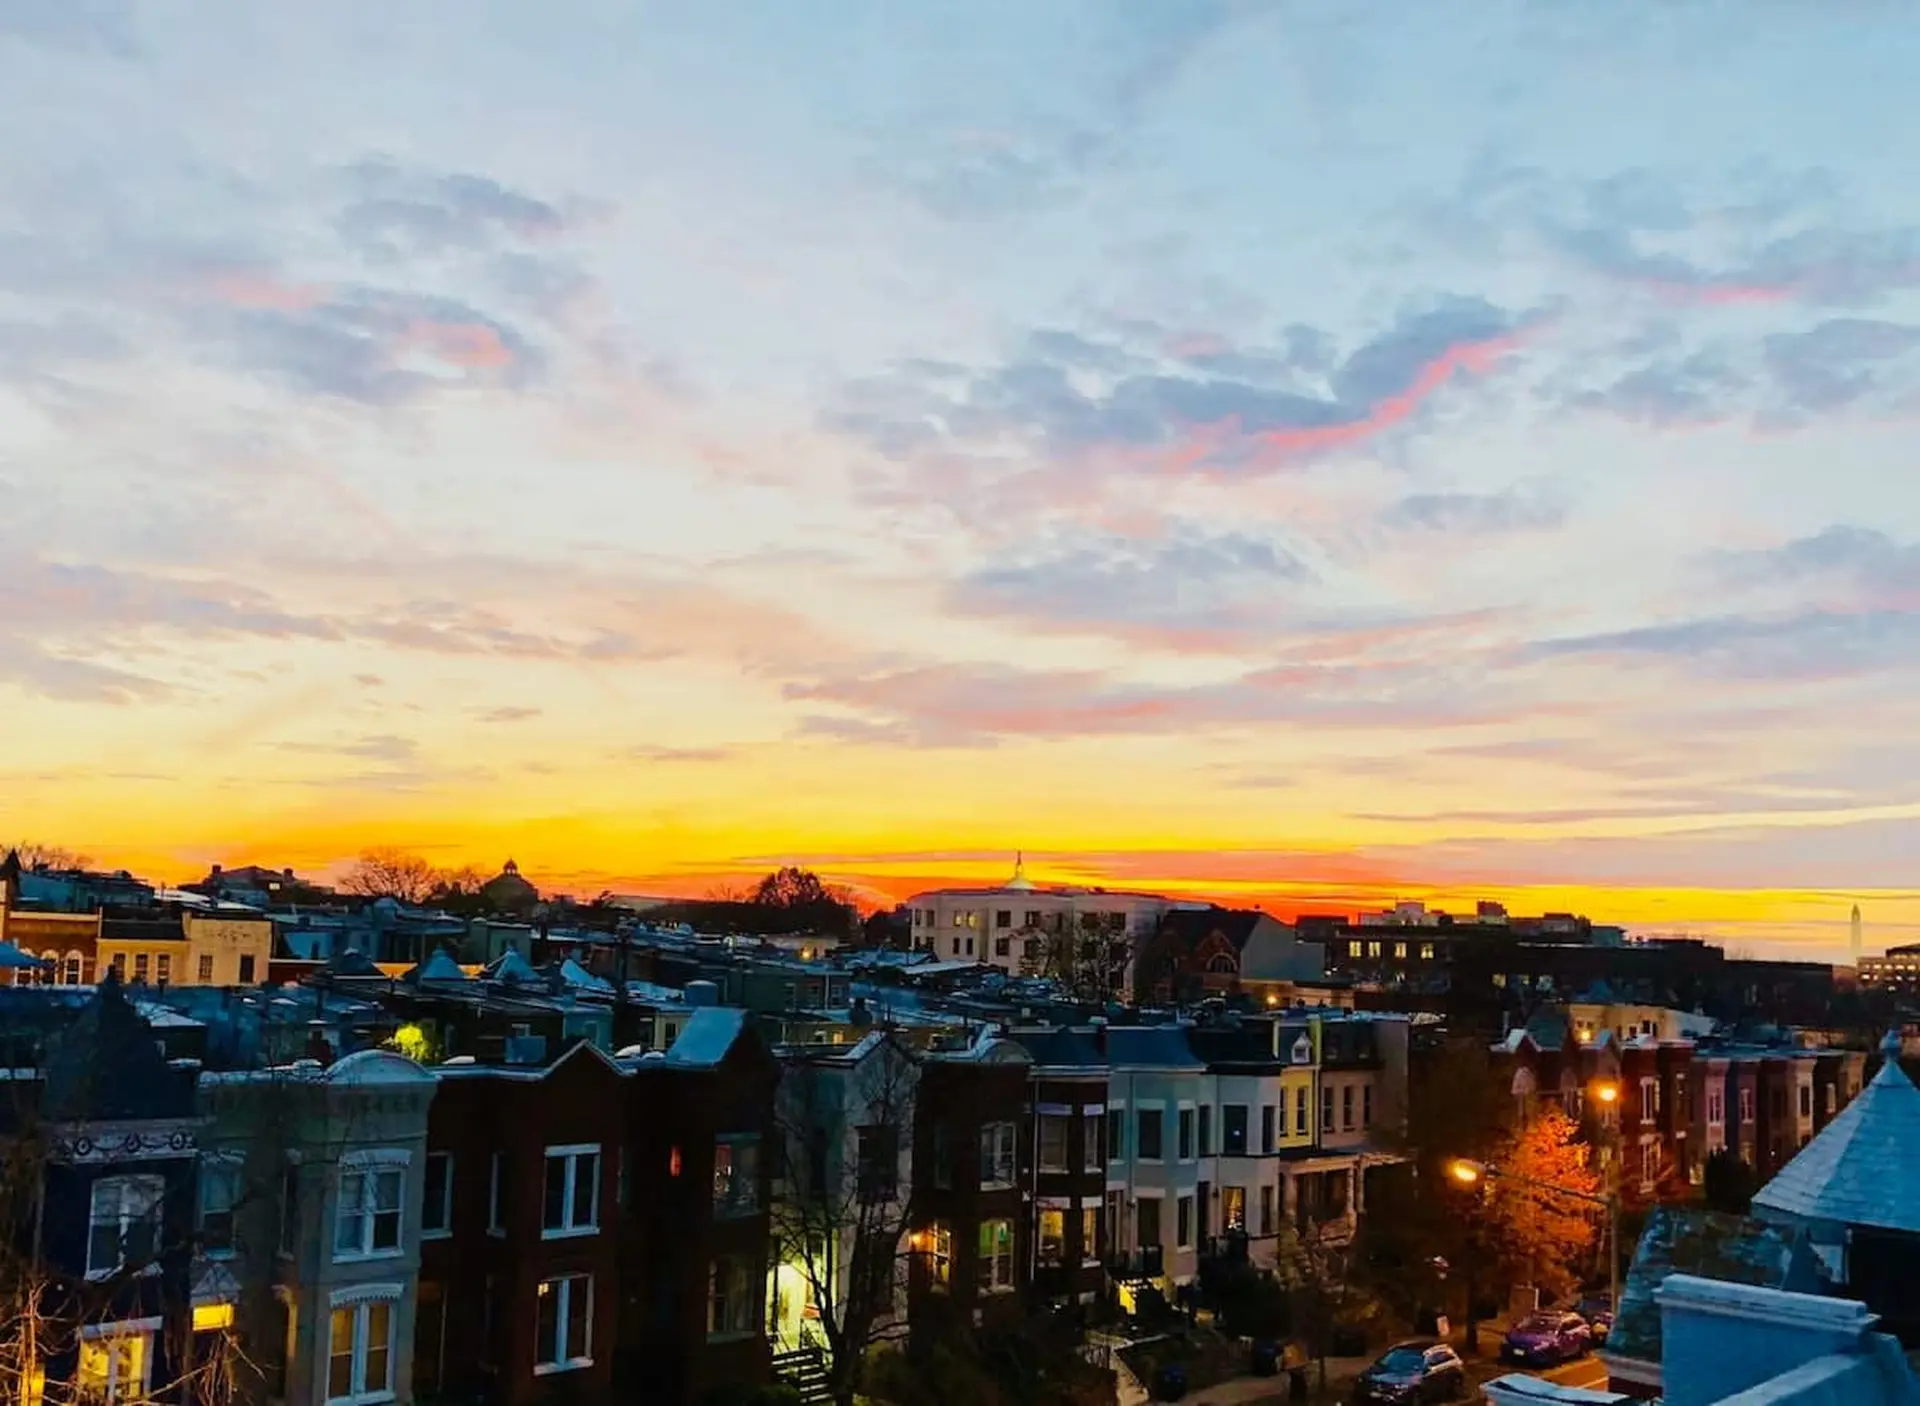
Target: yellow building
<point>226,949</point>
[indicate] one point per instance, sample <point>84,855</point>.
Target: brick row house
<point>1676,1101</point>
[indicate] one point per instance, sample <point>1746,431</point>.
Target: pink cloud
<point>254,290</point>
<point>472,345</point>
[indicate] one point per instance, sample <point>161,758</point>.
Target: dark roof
<point>107,1065</point>
<point>1863,1168</point>
<point>1195,925</point>
<point>1733,1249</point>
<point>1163,1045</point>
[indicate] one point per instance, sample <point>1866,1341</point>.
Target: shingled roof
<point>1863,1168</point>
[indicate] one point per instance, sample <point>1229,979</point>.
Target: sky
<point>1296,453</point>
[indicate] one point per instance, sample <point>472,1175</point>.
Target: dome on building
<point>1019,883</point>
<point>507,890</point>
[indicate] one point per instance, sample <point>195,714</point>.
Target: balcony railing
<point>1229,1247</point>
<point>1146,1263</point>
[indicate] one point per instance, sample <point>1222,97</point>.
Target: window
<point>563,1330</point>
<point>877,1152</point>
<point>1053,1236</point>
<point>1326,1109</point>
<point>1831,1100</point>
<point>1426,951</point>
<point>1116,1134</point>
<point>1266,1127</point>
<point>497,1194</point>
<point>360,1363</point>
<point>729,1298</point>
<point>1183,1222</point>
<point>1346,1106</point>
<point>1053,1142</point>
<point>1003,919</point>
<point>1233,1208</point>
<point>996,1256</point>
<point>114,1369</point>
<point>1003,946</point>
<point>163,966</point>
<point>1300,1111</point>
<point>205,968</point>
<point>1090,1158</point>
<point>1716,1106</point>
<point>940,1254</point>
<point>1185,1124</point>
<point>996,1154</point>
<point>1649,1099</point>
<point>436,1206</point>
<point>1233,1129</point>
<point>1032,917</point>
<point>1206,1130</point>
<point>73,968</point>
<point>1806,1100</point>
<point>1146,1217</point>
<point>1150,1140</point>
<point>1089,1232</point>
<point>371,1195</point>
<point>572,1191</point>
<point>1266,1209</point>
<point>124,1226</point>
<point>140,966</point>
<point>1366,1105</point>
<point>736,1176</point>
<point>120,965</point>
<point>429,1340</point>
<point>290,1208</point>
<point>943,1156</point>
<point>246,970</point>
<point>959,920</point>
<point>219,1195</point>
<point>1746,1105</point>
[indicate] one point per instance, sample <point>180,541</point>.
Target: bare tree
<point>844,1121</point>
<point>385,872</point>
<point>37,855</point>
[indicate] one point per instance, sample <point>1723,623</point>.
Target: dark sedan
<point>1422,1371</point>
<point>1543,1339</point>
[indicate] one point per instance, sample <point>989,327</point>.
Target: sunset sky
<point>1302,453</point>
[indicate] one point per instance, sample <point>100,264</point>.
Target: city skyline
<point>1239,449</point>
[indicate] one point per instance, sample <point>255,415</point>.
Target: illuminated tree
<point>1538,1234</point>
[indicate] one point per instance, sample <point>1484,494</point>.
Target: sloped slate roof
<point>1732,1249</point>
<point>1863,1168</point>
<point>708,1037</point>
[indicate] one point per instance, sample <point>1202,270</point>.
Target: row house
<point>1225,1139</point>
<point>597,1227</point>
<point>103,1134</point>
<point>972,1237</point>
<point>1659,1108</point>
<point>1067,1106</point>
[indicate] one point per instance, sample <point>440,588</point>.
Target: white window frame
<point>371,1165</point>
<point>1186,1118</point>
<point>998,1275</point>
<point>156,1189</point>
<point>730,1263</point>
<point>1004,1153</point>
<point>1158,1106</point>
<point>144,1330</point>
<point>1062,1121</point>
<point>360,1301</point>
<point>565,1286</point>
<point>569,1228</point>
<point>445,1228</point>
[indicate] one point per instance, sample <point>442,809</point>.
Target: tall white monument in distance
<point>1856,936</point>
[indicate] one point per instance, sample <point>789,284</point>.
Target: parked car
<point>1421,1371</point>
<point>1542,1339</point>
<point>1599,1315</point>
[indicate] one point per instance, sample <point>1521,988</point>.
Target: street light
<point>1607,1093</point>
<point>1469,1173</point>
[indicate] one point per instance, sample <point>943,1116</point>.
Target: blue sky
<point>1295,451</point>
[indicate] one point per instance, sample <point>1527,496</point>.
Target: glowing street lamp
<point>1607,1093</point>
<point>1465,1172</point>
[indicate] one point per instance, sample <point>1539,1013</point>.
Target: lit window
<point>360,1357</point>
<point>114,1369</point>
<point>1053,1236</point>
<point>124,1227</point>
<point>563,1331</point>
<point>939,1249</point>
<point>371,1195</point>
<point>1089,1232</point>
<point>140,966</point>
<point>736,1176</point>
<point>996,1256</point>
<point>572,1204</point>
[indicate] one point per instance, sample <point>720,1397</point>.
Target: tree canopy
<point>1537,1226</point>
<point>386,872</point>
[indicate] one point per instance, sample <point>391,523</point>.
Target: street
<point>1269,1391</point>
